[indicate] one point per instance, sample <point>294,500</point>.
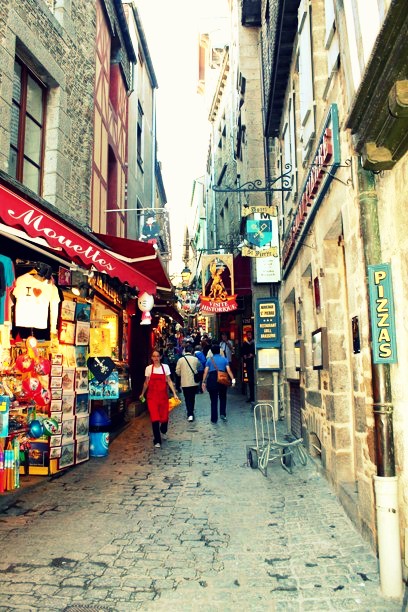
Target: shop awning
<point>142,256</point>
<point>19,213</point>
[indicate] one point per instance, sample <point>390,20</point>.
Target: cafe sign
<point>384,343</point>
<point>267,323</point>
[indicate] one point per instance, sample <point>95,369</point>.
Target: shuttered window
<point>306,100</point>
<point>331,41</point>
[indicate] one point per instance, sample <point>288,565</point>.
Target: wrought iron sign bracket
<point>347,164</point>
<point>257,186</point>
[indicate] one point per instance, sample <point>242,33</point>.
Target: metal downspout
<point>383,408</point>
<point>385,482</point>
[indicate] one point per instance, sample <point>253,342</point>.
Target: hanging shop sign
<point>215,298</point>
<point>325,161</point>
<point>262,236</point>
<point>267,270</point>
<point>384,345</point>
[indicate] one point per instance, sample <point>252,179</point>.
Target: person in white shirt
<point>157,379</point>
<point>187,366</point>
<point>226,347</point>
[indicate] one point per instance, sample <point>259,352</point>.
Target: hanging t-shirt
<point>34,298</point>
<point>8,280</point>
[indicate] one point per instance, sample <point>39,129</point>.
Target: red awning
<point>20,213</point>
<point>142,256</point>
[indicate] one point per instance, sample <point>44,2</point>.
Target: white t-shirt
<point>33,297</point>
<point>148,370</point>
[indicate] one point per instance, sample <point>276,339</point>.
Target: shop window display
<point>47,336</point>
<point>42,372</point>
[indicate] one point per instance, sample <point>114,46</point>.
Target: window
<point>27,128</point>
<point>139,136</point>
<point>306,101</point>
<point>331,43</point>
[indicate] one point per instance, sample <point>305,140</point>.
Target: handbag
<point>197,376</point>
<point>222,377</point>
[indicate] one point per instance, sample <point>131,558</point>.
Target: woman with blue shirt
<point>210,384</point>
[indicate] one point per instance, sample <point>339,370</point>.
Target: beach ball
<point>50,426</point>
<point>35,429</point>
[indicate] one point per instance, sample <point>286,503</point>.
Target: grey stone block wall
<point>59,47</point>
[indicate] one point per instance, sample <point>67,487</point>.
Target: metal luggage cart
<point>268,447</point>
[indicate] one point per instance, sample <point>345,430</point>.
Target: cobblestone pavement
<point>184,528</point>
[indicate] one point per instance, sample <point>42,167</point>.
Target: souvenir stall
<point>51,272</point>
<point>64,350</point>
<point>44,405</point>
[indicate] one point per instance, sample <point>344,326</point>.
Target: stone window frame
<point>24,115</point>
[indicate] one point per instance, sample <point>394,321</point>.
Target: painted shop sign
<point>267,323</point>
<point>215,297</point>
<point>324,163</point>
<point>382,314</point>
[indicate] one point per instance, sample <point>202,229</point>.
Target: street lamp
<point>185,276</point>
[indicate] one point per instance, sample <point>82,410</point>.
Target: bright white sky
<point>171,28</point>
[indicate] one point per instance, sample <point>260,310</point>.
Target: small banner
<point>265,210</point>
<point>215,298</point>
<point>248,252</point>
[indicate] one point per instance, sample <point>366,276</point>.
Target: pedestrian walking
<point>248,356</point>
<point>226,347</point>
<point>187,366</point>
<point>202,359</point>
<point>215,389</point>
<point>157,377</point>
<point>171,357</point>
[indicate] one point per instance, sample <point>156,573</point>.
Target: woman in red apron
<point>157,377</point>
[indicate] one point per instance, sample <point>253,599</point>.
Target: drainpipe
<point>385,482</point>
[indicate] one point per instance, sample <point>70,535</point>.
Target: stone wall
<point>61,53</point>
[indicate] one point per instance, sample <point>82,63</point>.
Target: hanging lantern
<point>145,303</point>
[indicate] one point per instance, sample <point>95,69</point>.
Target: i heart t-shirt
<point>33,297</point>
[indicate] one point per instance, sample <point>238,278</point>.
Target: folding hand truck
<point>268,447</point>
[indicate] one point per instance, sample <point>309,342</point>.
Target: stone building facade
<point>52,42</point>
<point>235,158</point>
<point>335,93</point>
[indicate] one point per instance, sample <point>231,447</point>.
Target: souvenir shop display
<point>59,358</point>
<point>40,431</point>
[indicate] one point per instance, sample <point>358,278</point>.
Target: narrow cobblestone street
<point>183,528</point>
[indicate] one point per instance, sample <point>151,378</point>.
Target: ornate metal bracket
<point>256,185</point>
<point>347,164</point>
